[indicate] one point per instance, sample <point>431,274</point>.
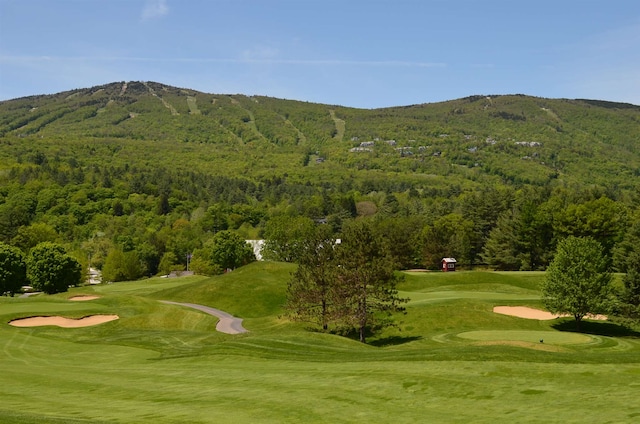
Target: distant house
<point>448,264</point>
<point>257,246</point>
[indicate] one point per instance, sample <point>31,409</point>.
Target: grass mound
<point>450,359</point>
<point>549,337</point>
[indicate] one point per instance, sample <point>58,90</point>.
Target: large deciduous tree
<point>577,280</point>
<point>51,270</point>
<point>229,251</point>
<point>122,266</point>
<point>13,271</point>
<point>29,236</point>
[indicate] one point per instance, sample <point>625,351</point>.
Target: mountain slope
<point>517,139</point>
<point>148,170</point>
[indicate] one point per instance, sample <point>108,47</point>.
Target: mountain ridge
<point>596,102</point>
<point>159,169</point>
<point>489,132</point>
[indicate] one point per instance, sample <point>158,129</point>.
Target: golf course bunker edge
<point>63,322</point>
<point>83,297</point>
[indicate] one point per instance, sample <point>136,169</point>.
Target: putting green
<point>442,296</point>
<point>551,337</point>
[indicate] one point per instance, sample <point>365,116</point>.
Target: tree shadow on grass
<point>393,341</point>
<point>596,328</point>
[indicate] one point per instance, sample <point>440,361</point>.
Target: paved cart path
<point>228,323</point>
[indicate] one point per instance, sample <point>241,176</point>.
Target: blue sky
<point>359,53</point>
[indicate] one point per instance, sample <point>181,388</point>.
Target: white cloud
<point>154,9</point>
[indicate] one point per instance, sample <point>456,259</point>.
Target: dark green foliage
<point>229,251</point>
<point>577,281</point>
<point>312,293</point>
<point>523,236</point>
<point>150,168</point>
<point>365,280</point>
<point>16,211</point>
<point>629,298</point>
<point>624,251</point>
<point>449,236</point>
<point>349,285</point>
<point>285,238</point>
<point>30,236</point>
<point>13,270</point>
<point>51,270</point>
<point>169,262</point>
<point>122,266</point>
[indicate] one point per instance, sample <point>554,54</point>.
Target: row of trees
<point>47,268</point>
<point>156,210</point>
<point>331,275</point>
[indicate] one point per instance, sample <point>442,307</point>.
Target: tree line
<point>46,268</point>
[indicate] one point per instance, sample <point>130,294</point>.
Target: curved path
<point>228,323</point>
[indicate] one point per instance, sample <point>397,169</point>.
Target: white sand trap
<point>63,322</point>
<point>531,313</point>
<point>83,297</point>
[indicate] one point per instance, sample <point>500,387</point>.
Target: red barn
<point>448,264</point>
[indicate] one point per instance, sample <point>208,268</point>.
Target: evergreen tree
<point>311,294</point>
<point>630,296</point>
<point>365,280</point>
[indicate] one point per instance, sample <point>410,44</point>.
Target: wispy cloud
<point>246,59</point>
<point>154,9</point>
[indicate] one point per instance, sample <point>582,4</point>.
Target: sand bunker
<point>63,322</point>
<point>83,297</point>
<point>531,313</point>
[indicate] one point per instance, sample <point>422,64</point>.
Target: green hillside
<point>147,167</point>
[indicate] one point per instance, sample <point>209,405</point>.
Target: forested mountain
<point>146,170</point>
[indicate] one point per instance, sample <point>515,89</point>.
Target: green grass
<point>450,360</point>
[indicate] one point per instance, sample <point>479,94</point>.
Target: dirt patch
<point>63,322</point>
<point>531,313</point>
<point>83,297</point>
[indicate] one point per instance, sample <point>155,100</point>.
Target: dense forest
<point>133,175</point>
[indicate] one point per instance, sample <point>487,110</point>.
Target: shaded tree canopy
<point>229,251</point>
<point>366,279</point>
<point>13,270</point>
<point>311,293</point>
<point>51,270</point>
<point>350,285</point>
<point>629,297</point>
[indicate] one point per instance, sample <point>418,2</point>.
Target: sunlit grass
<point>451,359</point>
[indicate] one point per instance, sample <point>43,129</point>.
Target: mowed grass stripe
<point>160,364</point>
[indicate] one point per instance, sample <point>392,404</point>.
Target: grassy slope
<point>452,360</point>
<point>581,141</point>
